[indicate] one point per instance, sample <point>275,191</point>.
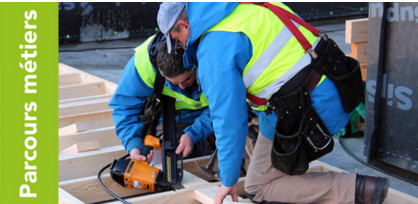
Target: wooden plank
<point>196,194</point>
<point>84,107</point>
<point>359,52</point>
<point>80,90</point>
<point>65,198</point>
<point>356,30</point>
<point>106,137</point>
<point>208,194</point>
<point>85,164</point>
<point>89,190</point>
<point>68,129</point>
<point>86,98</point>
<point>70,78</point>
<point>81,147</point>
<point>363,69</point>
<point>85,77</point>
<point>190,166</point>
<point>397,197</point>
<point>88,121</point>
<point>186,195</point>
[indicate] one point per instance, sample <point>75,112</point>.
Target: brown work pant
<point>270,184</point>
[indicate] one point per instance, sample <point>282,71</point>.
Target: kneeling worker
<point>193,123</point>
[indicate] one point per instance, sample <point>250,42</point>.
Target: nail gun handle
<point>146,150</point>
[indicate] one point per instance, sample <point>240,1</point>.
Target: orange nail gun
<point>138,174</point>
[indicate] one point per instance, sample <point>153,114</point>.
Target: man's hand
<point>224,191</point>
<point>136,155</point>
<point>185,146</point>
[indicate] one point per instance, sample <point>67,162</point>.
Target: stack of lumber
<point>87,142</point>
<point>356,34</point>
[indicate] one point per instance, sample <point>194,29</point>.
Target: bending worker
<point>245,49</point>
<point>193,124</point>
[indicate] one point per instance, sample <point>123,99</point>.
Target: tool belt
<point>300,135</point>
<point>344,72</point>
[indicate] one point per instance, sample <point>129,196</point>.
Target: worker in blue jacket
<point>137,83</point>
<point>242,50</point>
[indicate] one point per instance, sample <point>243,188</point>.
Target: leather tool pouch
<point>344,72</point>
<point>300,135</point>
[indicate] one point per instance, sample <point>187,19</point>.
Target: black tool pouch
<point>300,135</point>
<point>344,72</point>
<point>150,115</point>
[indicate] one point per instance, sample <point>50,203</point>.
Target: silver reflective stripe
<point>268,55</point>
<point>275,86</point>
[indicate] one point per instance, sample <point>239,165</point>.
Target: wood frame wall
<point>86,117</point>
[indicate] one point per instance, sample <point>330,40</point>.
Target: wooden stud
<point>397,197</point>
<point>86,98</point>
<point>191,167</point>
<point>70,78</point>
<point>363,69</point>
<point>85,77</point>
<point>359,52</point>
<point>72,128</point>
<point>81,147</point>
<point>356,30</point>
<point>84,164</point>
<point>80,90</point>
<point>66,198</point>
<point>89,190</point>
<point>203,193</point>
<point>106,137</point>
<point>84,107</point>
<point>88,121</point>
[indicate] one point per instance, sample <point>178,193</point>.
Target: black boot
<point>371,190</point>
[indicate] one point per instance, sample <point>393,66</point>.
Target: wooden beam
<point>84,107</point>
<point>68,129</point>
<point>80,90</point>
<point>85,77</point>
<point>88,121</point>
<point>106,137</point>
<point>397,197</point>
<point>88,189</point>
<point>363,69</point>
<point>191,167</point>
<point>69,78</point>
<point>356,30</point>
<point>65,198</point>
<point>81,147</point>
<point>86,98</point>
<point>85,164</point>
<point>203,193</point>
<point>359,52</point>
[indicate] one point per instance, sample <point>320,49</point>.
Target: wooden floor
<point>87,142</point>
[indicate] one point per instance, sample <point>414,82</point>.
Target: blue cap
<point>167,16</point>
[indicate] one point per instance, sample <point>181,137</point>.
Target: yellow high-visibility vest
<point>147,74</point>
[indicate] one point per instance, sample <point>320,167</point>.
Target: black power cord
<point>105,188</point>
